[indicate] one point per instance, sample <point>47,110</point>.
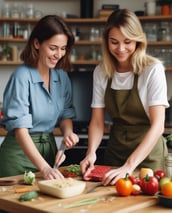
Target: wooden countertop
<point>57,131</point>
<point>110,201</point>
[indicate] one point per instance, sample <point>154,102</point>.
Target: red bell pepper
<point>149,185</point>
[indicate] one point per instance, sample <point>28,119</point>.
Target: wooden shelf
<point>85,62</point>
<point>10,63</point>
<point>104,19</point>
<point>159,43</point>
<point>77,21</point>
<point>30,20</point>
<point>88,20</point>
<point>76,62</point>
<point>168,68</point>
<point>84,42</point>
<point>57,131</point>
<point>88,42</point>
<point>11,39</point>
<point>155,18</point>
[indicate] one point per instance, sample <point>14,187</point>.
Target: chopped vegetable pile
<point>72,170</point>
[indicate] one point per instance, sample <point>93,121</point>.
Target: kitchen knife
<point>62,149</point>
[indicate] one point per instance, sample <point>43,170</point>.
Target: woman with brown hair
<point>36,99</point>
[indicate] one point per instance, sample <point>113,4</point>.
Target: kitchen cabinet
<point>87,31</point>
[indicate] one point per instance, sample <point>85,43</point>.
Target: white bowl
<point>67,187</point>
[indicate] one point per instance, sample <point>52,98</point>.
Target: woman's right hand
<point>87,164</point>
<point>51,173</point>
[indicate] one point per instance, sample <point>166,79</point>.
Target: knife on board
<point>62,149</point>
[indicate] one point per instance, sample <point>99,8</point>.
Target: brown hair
<point>45,28</point>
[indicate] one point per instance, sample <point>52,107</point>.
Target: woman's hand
<point>113,175</point>
<point>70,140</point>
<point>51,173</point>
<point>87,164</point>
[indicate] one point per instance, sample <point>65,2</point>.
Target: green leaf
<point>169,137</point>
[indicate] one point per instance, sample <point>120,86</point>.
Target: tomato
<point>124,186</point>
<point>134,180</point>
<point>149,185</point>
<point>159,174</point>
<point>69,174</point>
<point>136,190</point>
<point>167,189</point>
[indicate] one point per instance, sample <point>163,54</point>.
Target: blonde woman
<point>131,86</point>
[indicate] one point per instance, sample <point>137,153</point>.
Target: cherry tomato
<point>124,186</point>
<point>134,180</point>
<point>159,174</point>
<point>167,189</point>
<point>136,189</point>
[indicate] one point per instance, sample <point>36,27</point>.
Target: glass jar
<point>15,11</point>
<point>30,11</point>
<point>168,164</point>
<point>165,9</point>
<point>150,7</point>
<point>6,11</point>
<point>162,34</point>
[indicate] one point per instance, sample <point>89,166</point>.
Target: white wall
<point>70,7</point>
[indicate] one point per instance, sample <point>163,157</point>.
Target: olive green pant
<point>15,162</point>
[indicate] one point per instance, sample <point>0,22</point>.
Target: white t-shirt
<point>152,86</point>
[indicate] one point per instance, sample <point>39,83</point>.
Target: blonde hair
<point>131,28</point>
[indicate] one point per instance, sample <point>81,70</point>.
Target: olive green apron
<point>130,124</point>
<point>14,160</point>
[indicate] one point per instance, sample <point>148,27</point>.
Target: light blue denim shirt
<point>28,104</point>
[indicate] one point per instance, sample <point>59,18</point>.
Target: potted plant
<point>165,6</point>
<point>5,52</point>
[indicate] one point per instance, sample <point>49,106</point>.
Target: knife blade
<point>91,189</point>
<point>62,149</point>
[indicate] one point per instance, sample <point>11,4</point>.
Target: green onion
<point>83,202</point>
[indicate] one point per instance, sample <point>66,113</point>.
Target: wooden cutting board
<point>109,202</point>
